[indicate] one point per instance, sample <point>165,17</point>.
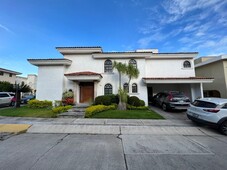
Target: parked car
<point>210,111</point>
<point>5,98</point>
<point>171,100</point>
<point>24,99</point>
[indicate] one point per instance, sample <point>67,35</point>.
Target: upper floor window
<point>1,73</point>
<point>108,66</point>
<point>126,87</point>
<point>134,88</point>
<point>108,89</point>
<point>187,64</point>
<point>133,63</point>
<point>10,74</point>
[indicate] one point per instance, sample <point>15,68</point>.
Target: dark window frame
<point>134,88</point>
<point>187,64</point>
<point>126,87</point>
<point>1,73</point>
<point>108,66</point>
<point>108,89</point>
<point>133,63</point>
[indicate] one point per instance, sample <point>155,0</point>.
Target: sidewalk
<point>107,126</point>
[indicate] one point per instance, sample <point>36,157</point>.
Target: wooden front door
<point>86,92</point>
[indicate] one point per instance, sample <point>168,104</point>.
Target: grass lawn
<point>25,111</point>
<point>128,114</point>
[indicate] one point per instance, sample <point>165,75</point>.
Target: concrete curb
<point>14,128</point>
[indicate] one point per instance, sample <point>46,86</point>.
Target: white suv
<point>5,98</point>
<point>211,111</point>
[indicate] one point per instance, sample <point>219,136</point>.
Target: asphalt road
<point>102,152</point>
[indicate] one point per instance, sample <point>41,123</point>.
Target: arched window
<point>133,63</point>
<point>108,89</point>
<point>126,88</point>
<point>187,64</point>
<point>108,66</point>
<point>134,88</point>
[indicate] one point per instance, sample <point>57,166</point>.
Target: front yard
<point>128,114</point>
<point>25,111</point>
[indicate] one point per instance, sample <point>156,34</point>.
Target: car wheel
<point>164,107</point>
<point>223,128</point>
<point>12,103</point>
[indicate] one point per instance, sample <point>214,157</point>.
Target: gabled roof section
<point>79,50</point>
<point>83,73</point>
<point>9,71</point>
<point>84,76</point>
<point>50,61</point>
<point>208,60</point>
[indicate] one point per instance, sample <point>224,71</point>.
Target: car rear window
<point>199,103</point>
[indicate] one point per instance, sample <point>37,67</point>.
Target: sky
<point>33,28</point>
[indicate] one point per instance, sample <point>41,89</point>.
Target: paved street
<point>174,143</point>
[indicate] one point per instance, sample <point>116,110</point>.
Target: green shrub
<point>106,100</point>
<point>142,103</point>
<point>98,108</point>
<point>134,101</point>
<point>39,104</point>
<point>61,109</point>
<point>129,107</point>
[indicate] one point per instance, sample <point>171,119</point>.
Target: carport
<point>191,86</point>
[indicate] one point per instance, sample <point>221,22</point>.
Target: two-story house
<point>8,75</point>
<point>89,72</point>
<point>214,66</point>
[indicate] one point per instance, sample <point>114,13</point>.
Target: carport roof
<point>155,80</point>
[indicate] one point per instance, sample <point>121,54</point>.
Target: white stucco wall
<point>6,77</point>
<point>50,84</point>
<point>168,68</point>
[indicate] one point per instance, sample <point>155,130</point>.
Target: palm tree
<point>132,72</point>
<point>122,69</point>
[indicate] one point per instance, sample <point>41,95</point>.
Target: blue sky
<point>33,28</point>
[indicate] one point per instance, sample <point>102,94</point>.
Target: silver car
<point>211,111</point>
<point>5,98</point>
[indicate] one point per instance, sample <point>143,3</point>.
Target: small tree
<point>6,86</point>
<point>132,72</point>
<point>18,89</point>
<point>121,68</point>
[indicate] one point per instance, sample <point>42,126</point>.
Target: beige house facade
<point>216,67</point>
<point>8,75</point>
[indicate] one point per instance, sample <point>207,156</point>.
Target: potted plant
<point>68,97</point>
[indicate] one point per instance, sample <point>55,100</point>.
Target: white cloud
<point>5,28</point>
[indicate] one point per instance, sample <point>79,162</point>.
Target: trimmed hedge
<point>98,108</point>
<point>129,107</point>
<point>61,109</point>
<point>106,100</point>
<point>39,104</point>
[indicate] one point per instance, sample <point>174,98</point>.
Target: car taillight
<point>170,97</point>
<point>212,110</point>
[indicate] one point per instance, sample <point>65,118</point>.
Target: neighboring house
<point>215,66</point>
<point>8,75</point>
<point>89,73</point>
<point>30,80</point>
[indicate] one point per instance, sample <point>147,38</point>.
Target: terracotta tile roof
<point>176,78</point>
<point>83,73</point>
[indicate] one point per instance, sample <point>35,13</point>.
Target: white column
<point>201,89</point>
